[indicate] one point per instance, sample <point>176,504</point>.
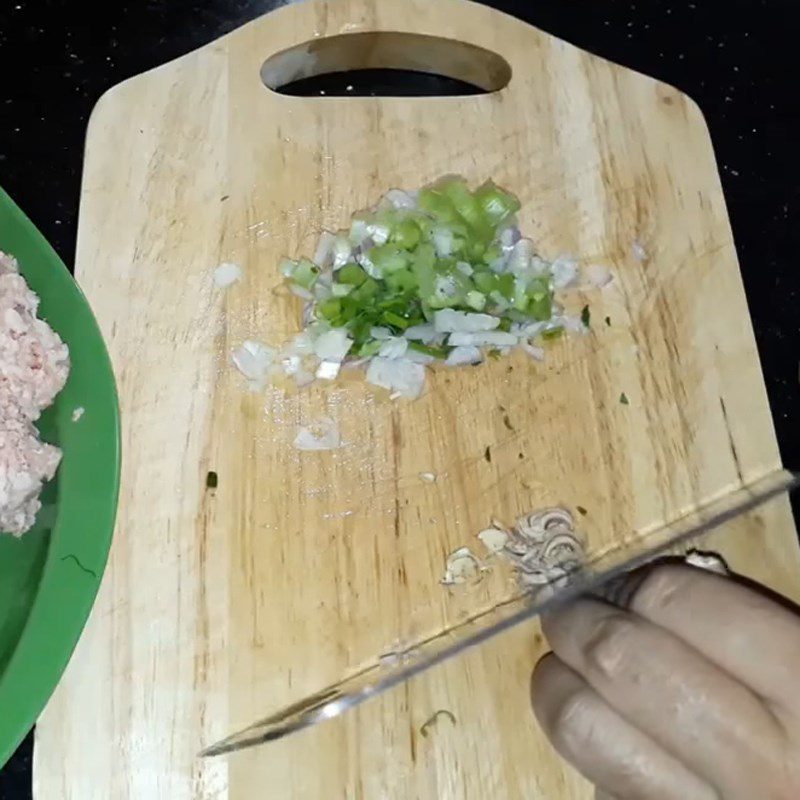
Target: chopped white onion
<point>565,272</point>
<point>253,360</point>
<point>333,345</point>
<point>484,338</point>
<point>568,322</point>
<point>358,232</point>
<point>443,242</point>
<point>299,291</point>
<point>379,233</point>
<point>396,366</point>
<point>324,251</point>
<point>400,199</point>
<point>494,539</point>
<point>520,287</point>
<point>528,330</point>
<point>294,367</point>
<point>539,267</point>
<point>520,259</point>
<point>291,363</point>
<point>328,370</point>
<point>421,333</point>
<point>509,237</point>
<point>464,355</point>
<point>301,345</point>
<point>286,267</point>
<point>341,290</point>
<point>321,435</point>
<point>368,266</point>
<point>227,274</point>
<point>417,357</point>
<point>394,347</point>
<point>461,567</point>
<point>381,334</point>
<point>342,251</point>
<point>322,286</point>
<point>399,375</point>
<point>448,321</point>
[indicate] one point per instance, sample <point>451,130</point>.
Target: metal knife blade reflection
<point>602,576</point>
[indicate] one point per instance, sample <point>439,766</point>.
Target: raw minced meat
<point>25,464</point>
<point>34,364</point>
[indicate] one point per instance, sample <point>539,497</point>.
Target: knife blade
<point>594,577</point>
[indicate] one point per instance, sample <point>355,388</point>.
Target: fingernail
<point>711,562</point>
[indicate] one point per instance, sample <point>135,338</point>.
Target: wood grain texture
<point>221,605</point>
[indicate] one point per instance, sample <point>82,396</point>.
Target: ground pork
<point>34,364</point>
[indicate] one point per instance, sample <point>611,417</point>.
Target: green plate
<point>50,576</point>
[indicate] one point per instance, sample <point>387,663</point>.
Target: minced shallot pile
<point>440,275</point>
<point>34,364</point>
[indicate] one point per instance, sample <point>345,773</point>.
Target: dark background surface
<point>733,58</point>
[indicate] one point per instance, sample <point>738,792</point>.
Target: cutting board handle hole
<point>385,64</point>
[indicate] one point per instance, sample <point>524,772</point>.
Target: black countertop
<point>734,58</point>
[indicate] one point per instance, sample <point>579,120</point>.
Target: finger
<point>663,686</point>
<point>751,637</point>
<point>617,757</point>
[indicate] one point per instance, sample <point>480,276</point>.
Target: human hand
<point>692,692</point>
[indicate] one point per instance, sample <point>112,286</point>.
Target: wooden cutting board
<point>222,604</point>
